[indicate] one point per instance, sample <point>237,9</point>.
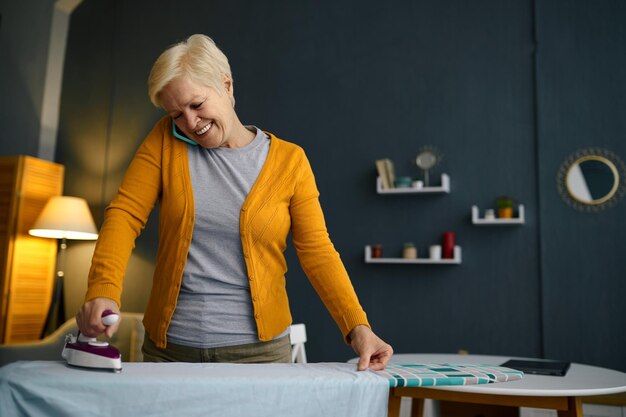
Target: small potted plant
<point>505,207</point>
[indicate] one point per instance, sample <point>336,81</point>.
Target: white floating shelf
<point>454,261</point>
<point>520,219</point>
<point>443,188</point>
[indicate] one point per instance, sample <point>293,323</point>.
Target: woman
<point>229,195</point>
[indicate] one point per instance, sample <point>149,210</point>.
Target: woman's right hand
<point>89,318</point>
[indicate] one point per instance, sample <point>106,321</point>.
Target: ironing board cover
<point>425,375</point>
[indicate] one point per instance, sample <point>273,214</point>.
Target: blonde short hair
<point>198,59</point>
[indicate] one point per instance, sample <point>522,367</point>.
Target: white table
<point>552,392</point>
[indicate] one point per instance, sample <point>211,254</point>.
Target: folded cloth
<point>424,375</point>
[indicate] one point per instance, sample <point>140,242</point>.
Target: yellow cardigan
<point>283,198</point>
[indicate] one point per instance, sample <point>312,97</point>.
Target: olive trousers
<point>274,351</point>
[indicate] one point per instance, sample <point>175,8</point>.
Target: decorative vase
<point>447,245</point>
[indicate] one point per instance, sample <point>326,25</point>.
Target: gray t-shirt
<point>214,306</point>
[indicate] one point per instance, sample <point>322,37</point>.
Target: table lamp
<point>62,218</point>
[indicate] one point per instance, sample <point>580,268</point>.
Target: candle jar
<point>404,182</point>
<point>410,251</point>
<point>377,251</point>
<point>435,252</point>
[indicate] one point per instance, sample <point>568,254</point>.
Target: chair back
<point>298,339</point>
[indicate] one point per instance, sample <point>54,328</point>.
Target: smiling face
<point>203,115</point>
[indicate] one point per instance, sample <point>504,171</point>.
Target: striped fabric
<point>425,375</point>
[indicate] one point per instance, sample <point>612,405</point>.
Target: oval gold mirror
<point>592,179</point>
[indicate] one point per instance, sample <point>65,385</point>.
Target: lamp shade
<point>65,218</point>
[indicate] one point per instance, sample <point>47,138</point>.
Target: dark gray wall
<point>24,37</point>
<point>356,81</point>
<point>581,78</point>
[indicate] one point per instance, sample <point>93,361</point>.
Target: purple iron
<point>87,352</point>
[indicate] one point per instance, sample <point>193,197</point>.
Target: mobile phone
<point>179,135</point>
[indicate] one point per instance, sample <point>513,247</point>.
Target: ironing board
<point>43,388</point>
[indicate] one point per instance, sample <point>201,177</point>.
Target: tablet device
<point>537,367</point>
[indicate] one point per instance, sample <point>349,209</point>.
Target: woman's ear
<point>228,85</point>
<point>230,88</point>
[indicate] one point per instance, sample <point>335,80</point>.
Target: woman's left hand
<point>373,352</point>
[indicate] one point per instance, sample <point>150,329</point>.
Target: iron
<point>87,352</point>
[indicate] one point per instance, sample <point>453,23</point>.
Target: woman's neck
<point>240,136</point>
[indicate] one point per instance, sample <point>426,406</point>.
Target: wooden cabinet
<point>27,263</point>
